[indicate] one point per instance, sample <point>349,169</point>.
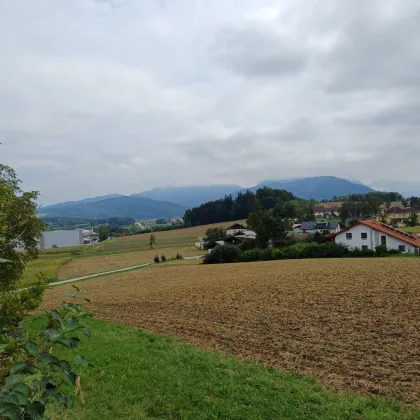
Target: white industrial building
<point>65,238</point>
<point>368,234</point>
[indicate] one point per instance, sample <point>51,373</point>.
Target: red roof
<point>389,230</point>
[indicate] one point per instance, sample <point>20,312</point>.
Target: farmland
<point>65,263</point>
<point>351,323</point>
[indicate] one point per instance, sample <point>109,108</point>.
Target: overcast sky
<point>118,96</point>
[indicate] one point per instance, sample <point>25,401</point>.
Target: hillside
<point>190,196</point>
<point>117,206</point>
<point>317,188</point>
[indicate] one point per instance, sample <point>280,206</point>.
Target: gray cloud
<point>254,51</point>
<point>96,99</point>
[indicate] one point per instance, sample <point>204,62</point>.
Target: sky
<point>119,96</point>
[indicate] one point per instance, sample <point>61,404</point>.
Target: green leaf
<point>22,392</point>
<point>71,378</point>
<point>8,411</point>
<point>2,260</point>
<point>76,288</point>
<point>35,409</point>
<point>48,359</point>
<point>20,368</point>
<point>85,331</point>
<point>65,365</point>
<point>3,347</point>
<point>53,335</point>
<point>31,348</point>
<point>11,399</point>
<point>55,314</point>
<point>84,298</point>
<point>79,360</point>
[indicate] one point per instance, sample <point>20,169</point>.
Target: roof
<point>408,210</point>
<point>332,224</point>
<point>236,226</point>
<point>389,230</point>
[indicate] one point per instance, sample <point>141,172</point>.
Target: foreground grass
<point>139,375</point>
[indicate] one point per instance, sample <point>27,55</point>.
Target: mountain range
<point>173,201</point>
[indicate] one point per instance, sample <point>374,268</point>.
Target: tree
<point>103,233</point>
<point>19,226</point>
<point>152,240</point>
<point>267,226</point>
<point>214,234</point>
<point>413,219</point>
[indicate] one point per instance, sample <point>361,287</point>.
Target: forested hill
<point>229,208</point>
<point>119,206</point>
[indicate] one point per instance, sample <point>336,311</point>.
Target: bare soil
<point>353,323</point>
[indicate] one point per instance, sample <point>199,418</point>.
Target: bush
<point>248,244</point>
<point>357,252</point>
<point>163,258</point>
<point>178,256</point>
<point>381,250</point>
<point>222,254</point>
<point>156,259</point>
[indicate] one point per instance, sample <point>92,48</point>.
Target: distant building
<point>235,228</point>
<point>312,227</point>
<point>64,238</point>
<point>368,234</point>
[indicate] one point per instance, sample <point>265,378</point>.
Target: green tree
<point>103,233</point>
<point>267,226</point>
<point>413,219</point>
<point>152,240</point>
<point>19,226</point>
<point>214,234</point>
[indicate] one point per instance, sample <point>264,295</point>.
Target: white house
<point>368,234</point>
<point>235,228</point>
<point>59,239</point>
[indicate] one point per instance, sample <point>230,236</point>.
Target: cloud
<point>99,97</point>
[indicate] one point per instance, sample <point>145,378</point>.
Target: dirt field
<point>352,323</point>
<point>90,265</point>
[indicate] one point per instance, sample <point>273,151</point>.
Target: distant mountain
<point>85,200</point>
<point>190,196</point>
<point>317,188</point>
<point>116,206</point>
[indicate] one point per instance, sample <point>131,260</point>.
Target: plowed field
<point>98,264</point>
<point>354,323</point>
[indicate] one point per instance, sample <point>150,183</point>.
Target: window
<point>349,236</point>
<point>402,248</point>
<point>364,247</point>
<point>383,240</point>
<point>364,235</point>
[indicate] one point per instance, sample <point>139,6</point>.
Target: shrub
<point>357,252</point>
<point>156,259</point>
<point>248,244</point>
<point>178,256</point>
<point>163,258</point>
<point>222,254</point>
<point>381,250</point>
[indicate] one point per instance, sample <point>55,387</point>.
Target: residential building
<point>235,228</point>
<point>62,238</point>
<point>322,211</point>
<point>368,234</point>
<point>391,204</point>
<point>333,226</point>
<point>400,214</point>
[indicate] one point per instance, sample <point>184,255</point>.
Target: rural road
<point>90,276</point>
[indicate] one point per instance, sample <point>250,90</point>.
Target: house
<point>368,234</point>
<point>59,239</point>
<point>322,211</point>
<point>400,214</point>
<point>235,228</point>
<point>312,227</point>
<point>391,204</point>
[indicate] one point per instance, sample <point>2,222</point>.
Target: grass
<point>412,229</point>
<point>139,375</point>
<point>68,262</point>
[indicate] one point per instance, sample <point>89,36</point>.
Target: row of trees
<point>283,203</point>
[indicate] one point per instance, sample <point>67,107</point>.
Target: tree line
<point>229,208</point>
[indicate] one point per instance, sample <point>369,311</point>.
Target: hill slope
<point>190,196</point>
<point>117,206</point>
<point>317,188</point>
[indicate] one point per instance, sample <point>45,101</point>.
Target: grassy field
<point>139,375</point>
<point>84,266</point>
<point>413,229</point>
<point>65,263</point>
<point>351,323</point>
